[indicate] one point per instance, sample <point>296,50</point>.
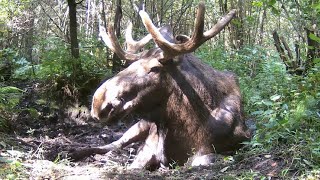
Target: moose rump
<point>188,109</point>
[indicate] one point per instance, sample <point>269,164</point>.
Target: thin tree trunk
<point>312,50</point>
<point>29,42</point>
<point>88,13</point>
<point>76,63</point>
<point>104,21</point>
<point>280,49</point>
<point>73,29</point>
<point>298,58</point>
<point>264,16</point>
<point>116,61</point>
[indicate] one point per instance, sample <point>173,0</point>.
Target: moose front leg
<point>137,132</point>
<point>152,153</point>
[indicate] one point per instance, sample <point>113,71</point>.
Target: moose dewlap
<point>189,109</point>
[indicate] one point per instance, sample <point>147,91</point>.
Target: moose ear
<point>167,33</point>
<point>182,38</point>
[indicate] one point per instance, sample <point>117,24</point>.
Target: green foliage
<point>23,68</point>
<point>58,68</point>
<point>314,37</point>
<point>66,79</point>
<point>286,108</point>
<point>12,169</point>
<point>9,98</point>
<point>56,60</point>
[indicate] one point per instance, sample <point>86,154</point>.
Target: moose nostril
<point>105,112</point>
<point>94,118</point>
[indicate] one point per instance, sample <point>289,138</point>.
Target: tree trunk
<point>73,29</point>
<point>313,50</point>
<point>264,16</point>
<point>76,63</point>
<point>293,66</point>
<point>116,61</point>
<point>29,42</point>
<point>240,28</point>
<point>280,49</point>
<point>298,58</point>
<point>104,21</point>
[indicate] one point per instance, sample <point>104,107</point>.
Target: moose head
<point>187,106</point>
<point>144,84</point>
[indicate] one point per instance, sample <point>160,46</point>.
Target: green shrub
<point>9,98</point>
<point>285,107</point>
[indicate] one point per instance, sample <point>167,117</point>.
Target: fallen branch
<point>77,155</point>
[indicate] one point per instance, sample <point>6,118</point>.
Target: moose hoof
<point>203,160</point>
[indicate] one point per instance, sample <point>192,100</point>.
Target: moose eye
<point>155,69</point>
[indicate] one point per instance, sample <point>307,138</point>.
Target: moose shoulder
<point>188,108</point>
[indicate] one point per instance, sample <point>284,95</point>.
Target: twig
<point>36,150</point>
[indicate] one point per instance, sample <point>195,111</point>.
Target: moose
<point>189,111</point>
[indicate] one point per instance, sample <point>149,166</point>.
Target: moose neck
<point>192,87</point>
<point>190,103</point>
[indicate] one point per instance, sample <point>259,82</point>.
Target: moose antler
<point>171,50</point>
<point>132,46</point>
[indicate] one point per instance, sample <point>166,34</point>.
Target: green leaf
<point>316,60</point>
<point>275,97</point>
<point>316,7</point>
<point>266,102</point>
<point>33,112</point>
<point>257,112</point>
<point>275,10</point>
<point>307,162</point>
<point>267,112</point>
<point>236,22</point>
<point>257,3</point>
<point>272,2</point>
<point>314,37</point>
<point>283,121</point>
<point>10,89</point>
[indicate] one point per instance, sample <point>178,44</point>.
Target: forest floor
<point>44,132</point>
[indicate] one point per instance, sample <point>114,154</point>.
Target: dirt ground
<point>45,131</point>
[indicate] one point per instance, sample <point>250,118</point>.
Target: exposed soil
<point>45,131</point>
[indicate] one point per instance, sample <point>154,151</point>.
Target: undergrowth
<point>285,107</point>
<point>54,70</point>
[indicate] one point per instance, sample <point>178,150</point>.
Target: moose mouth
<point>115,111</point>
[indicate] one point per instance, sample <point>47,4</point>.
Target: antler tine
<point>219,25</point>
<point>155,33</point>
<point>199,23</point>
<point>171,50</point>
<point>132,45</point>
<point>112,42</point>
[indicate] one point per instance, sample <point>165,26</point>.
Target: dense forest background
<point>272,45</point>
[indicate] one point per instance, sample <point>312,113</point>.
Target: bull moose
<point>188,110</point>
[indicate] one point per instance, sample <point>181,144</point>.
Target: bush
<point>9,98</point>
<point>61,73</point>
<point>286,107</point>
